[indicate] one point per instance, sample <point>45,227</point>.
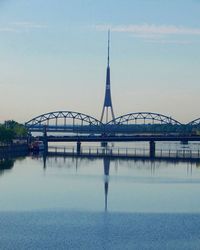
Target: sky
<point>53,57</point>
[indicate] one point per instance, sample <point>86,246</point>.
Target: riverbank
<point>14,150</point>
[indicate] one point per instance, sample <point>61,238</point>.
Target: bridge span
<point>141,126</point>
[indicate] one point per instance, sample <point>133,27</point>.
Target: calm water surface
<point>82,203</point>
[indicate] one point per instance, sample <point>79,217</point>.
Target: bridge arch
<point>195,122</point>
<point>62,118</point>
<point>144,118</point>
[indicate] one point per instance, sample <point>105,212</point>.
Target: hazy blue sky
<point>53,57</point>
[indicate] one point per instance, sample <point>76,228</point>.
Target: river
<point>99,203</point>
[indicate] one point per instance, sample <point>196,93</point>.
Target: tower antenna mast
<point>107,100</point>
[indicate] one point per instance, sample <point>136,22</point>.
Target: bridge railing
<point>126,152</point>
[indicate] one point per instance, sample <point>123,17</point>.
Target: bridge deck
<point>122,138</point>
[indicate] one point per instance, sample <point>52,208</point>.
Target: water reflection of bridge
<point>106,167</point>
<point>75,162</point>
<point>186,154</point>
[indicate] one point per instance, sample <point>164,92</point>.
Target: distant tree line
<point>11,130</point>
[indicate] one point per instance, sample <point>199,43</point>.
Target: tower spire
<point>107,99</point>
<point>108,48</point>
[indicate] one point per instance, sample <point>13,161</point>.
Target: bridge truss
<point>195,122</point>
<point>62,121</point>
<point>138,122</point>
<point>144,118</point>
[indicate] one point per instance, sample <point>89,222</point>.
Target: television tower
<point>107,100</point>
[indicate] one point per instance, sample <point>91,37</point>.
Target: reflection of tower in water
<point>106,163</point>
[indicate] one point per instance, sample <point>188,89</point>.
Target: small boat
<point>37,146</point>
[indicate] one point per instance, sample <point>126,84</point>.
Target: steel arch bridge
<point>75,122</point>
<point>63,121</point>
<point>195,122</point>
<point>144,118</point>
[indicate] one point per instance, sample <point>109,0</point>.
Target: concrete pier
<point>152,149</point>
<point>45,139</point>
<point>78,147</point>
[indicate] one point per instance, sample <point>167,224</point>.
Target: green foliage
<point>18,129</point>
<point>11,130</point>
<point>6,135</point>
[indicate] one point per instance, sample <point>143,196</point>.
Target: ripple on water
<point>86,230</point>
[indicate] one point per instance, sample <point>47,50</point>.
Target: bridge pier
<point>185,142</point>
<point>45,140</point>
<point>78,147</point>
<point>152,149</point>
<point>104,144</point>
